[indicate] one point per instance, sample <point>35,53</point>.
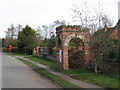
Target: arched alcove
<point>76,53</point>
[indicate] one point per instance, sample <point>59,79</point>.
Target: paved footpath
<point>16,74</point>
<point>66,77</point>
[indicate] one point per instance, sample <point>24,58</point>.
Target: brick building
<point>111,33</point>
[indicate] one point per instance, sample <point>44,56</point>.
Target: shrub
<point>5,49</point>
<point>15,50</point>
<point>10,41</point>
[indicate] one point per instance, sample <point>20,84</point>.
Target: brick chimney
<point>105,27</point>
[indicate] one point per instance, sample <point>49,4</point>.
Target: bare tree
<point>13,31</point>
<point>38,33</point>
<point>106,20</point>
<point>90,17</point>
<point>58,22</point>
<point>10,31</point>
<point>19,27</point>
<point>47,31</point>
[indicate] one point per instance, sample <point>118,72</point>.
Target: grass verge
<point>49,63</point>
<point>60,81</point>
<point>103,80</point>
<point>16,54</point>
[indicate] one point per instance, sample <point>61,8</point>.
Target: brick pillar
<point>65,59</point>
<point>87,56</point>
<point>119,38</point>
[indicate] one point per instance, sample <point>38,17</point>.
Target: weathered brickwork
<point>119,37</point>
<point>64,34</point>
<point>114,34</point>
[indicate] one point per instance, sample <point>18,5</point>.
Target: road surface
<point>16,74</point>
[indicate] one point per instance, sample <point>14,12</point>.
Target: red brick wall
<point>119,30</point>
<point>114,34</point>
<point>119,36</point>
<point>64,32</point>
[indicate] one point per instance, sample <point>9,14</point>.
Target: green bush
<point>15,50</point>
<point>112,54</point>
<point>10,41</point>
<point>5,49</point>
<point>26,50</point>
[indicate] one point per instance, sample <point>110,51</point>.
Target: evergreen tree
<point>27,39</point>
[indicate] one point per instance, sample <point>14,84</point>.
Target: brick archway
<point>63,36</point>
<point>76,53</point>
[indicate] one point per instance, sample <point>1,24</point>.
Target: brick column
<point>65,59</point>
<point>119,38</point>
<point>87,56</point>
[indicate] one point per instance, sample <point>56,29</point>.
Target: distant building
<point>111,33</point>
<point>40,51</point>
<point>114,34</point>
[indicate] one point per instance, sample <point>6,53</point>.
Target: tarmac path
<point>16,74</point>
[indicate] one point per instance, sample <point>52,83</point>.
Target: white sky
<point>38,12</point>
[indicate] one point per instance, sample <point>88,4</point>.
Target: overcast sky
<point>38,12</point>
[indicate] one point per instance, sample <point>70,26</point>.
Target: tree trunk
<point>96,69</point>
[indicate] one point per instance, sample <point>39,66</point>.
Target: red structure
<point>10,48</point>
<point>119,38</point>
<point>77,56</point>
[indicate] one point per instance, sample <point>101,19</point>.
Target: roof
<point>118,21</point>
<point>103,32</point>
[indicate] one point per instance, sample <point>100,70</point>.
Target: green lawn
<point>49,63</point>
<point>100,79</point>
<point>103,80</point>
